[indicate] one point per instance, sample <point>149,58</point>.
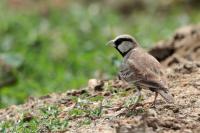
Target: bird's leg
<point>138,94</point>
<point>154,102</point>
<point>136,99</point>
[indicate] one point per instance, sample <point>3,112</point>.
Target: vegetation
<point>61,49</point>
<point>60,112</point>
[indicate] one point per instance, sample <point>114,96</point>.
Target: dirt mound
<point>183,47</point>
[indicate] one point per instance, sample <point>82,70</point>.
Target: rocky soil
<point>105,106</point>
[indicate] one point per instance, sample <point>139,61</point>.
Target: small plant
<point>27,126</point>
<point>55,124</point>
<point>76,112</point>
<point>96,98</point>
<point>96,112</point>
<point>6,126</point>
<point>132,101</point>
<point>49,111</point>
<point>85,121</point>
<point>50,118</point>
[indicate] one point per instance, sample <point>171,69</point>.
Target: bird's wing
<point>146,68</point>
<point>126,73</point>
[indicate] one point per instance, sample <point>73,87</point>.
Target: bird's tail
<point>167,96</point>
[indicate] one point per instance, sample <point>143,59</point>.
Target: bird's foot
<point>130,109</point>
<point>153,105</point>
<point>149,104</point>
<point>134,106</point>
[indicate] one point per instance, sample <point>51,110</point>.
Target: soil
<point>183,47</point>
<point>180,56</point>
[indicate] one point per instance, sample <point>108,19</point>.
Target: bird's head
<point>123,43</point>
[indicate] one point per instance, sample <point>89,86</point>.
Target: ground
<point>105,106</point>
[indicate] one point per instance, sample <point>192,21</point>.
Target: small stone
<point>95,84</point>
<point>152,112</point>
<point>27,117</point>
<point>175,110</point>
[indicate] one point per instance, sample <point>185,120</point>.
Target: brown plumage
<point>140,68</point>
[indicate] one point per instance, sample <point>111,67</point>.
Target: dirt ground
<point>180,56</point>
<point>183,116</point>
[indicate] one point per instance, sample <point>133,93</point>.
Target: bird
<point>140,69</point>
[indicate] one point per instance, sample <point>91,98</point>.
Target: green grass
<point>54,117</point>
<point>46,120</point>
<point>64,49</point>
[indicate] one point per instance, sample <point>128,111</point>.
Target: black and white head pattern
<point>124,43</point>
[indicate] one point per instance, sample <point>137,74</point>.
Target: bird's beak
<point>111,43</point>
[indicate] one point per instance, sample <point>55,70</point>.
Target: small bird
<point>140,68</point>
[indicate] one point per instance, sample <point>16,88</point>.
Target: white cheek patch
<point>125,46</point>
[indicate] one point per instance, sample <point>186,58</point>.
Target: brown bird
<point>140,68</point>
